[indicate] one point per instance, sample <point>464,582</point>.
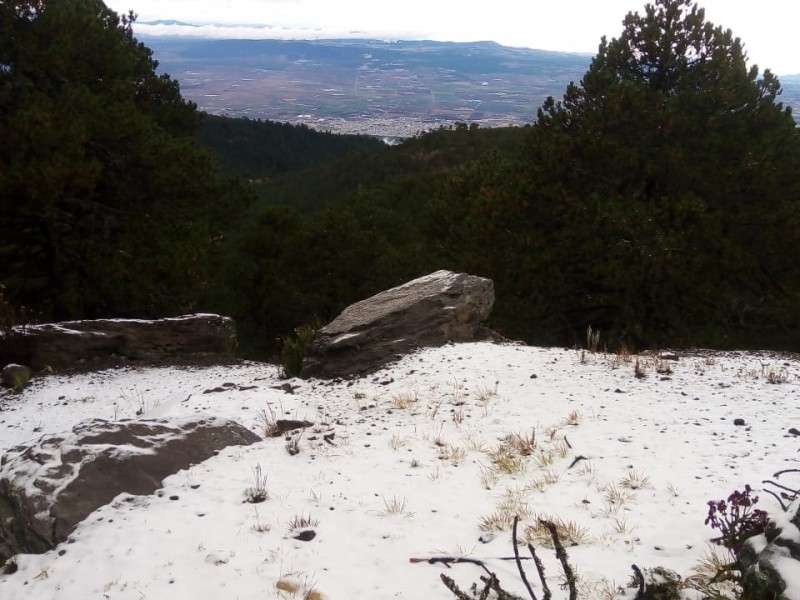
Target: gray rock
<point>16,376</point>
<point>430,311</point>
<point>69,343</point>
<point>47,488</point>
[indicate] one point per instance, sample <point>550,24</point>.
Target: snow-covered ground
<point>431,457</point>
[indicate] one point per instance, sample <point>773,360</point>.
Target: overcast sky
<point>768,28</point>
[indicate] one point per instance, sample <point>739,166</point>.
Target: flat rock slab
<point>48,487</point>
<point>70,343</point>
<point>430,311</point>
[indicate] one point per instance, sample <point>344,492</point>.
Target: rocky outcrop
<point>426,312</point>
<point>771,561</point>
<point>49,487</point>
<point>70,343</point>
<point>15,376</point>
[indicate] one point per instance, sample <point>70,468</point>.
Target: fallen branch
<point>563,558</point>
<point>522,573</point>
<point>638,578</point>
<point>576,461</point>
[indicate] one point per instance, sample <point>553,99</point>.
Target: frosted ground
<point>429,458</point>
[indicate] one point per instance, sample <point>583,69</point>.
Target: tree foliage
<point>101,187</point>
<point>659,199</point>
<point>656,201</point>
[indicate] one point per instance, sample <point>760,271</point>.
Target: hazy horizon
<point>766,28</point>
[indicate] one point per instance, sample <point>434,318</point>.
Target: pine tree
<point>657,200</point>
<point>102,191</point>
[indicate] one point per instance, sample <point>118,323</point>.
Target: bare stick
<point>563,558</point>
<point>795,491</point>
<point>778,498</point>
<point>577,460</point>
<point>639,578</point>
<point>779,473</point>
<point>540,569</point>
<point>450,560</point>
<point>518,561</point>
<point>451,585</point>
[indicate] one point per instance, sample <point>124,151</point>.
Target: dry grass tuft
<point>396,507</point>
<point>404,400</point>
<point>634,480</point>
<point>453,454</point>
<point>570,533</point>
<point>505,460</point>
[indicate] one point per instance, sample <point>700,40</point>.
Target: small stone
<point>306,535</point>
<point>738,422</point>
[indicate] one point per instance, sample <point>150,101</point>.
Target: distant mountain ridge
<point>376,87</point>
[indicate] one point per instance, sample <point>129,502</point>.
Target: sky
<point>430,457</point>
<point>767,27</point>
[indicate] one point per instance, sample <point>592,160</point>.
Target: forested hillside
<point>256,149</point>
<point>657,200</point>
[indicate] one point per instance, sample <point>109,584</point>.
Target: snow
<point>409,474</point>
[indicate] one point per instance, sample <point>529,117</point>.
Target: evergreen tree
<point>660,201</point>
<point>103,195</point>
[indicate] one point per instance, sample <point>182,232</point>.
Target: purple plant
<point>736,519</point>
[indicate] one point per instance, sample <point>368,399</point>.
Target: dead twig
<point>563,558</point>
<point>522,573</point>
<point>576,461</point>
<point>638,578</point>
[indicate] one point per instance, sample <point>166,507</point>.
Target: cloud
<point>260,32</point>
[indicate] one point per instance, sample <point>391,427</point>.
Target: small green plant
<point>295,349</point>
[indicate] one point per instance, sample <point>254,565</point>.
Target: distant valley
<point>367,86</point>
<point>374,87</point>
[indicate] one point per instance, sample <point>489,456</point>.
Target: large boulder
<point>70,343</point>
<point>771,561</point>
<point>47,488</point>
<point>426,312</point>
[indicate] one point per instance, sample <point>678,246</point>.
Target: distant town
<point>385,89</point>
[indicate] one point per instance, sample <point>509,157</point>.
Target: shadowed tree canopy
<point>657,200</point>
<point>102,190</point>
